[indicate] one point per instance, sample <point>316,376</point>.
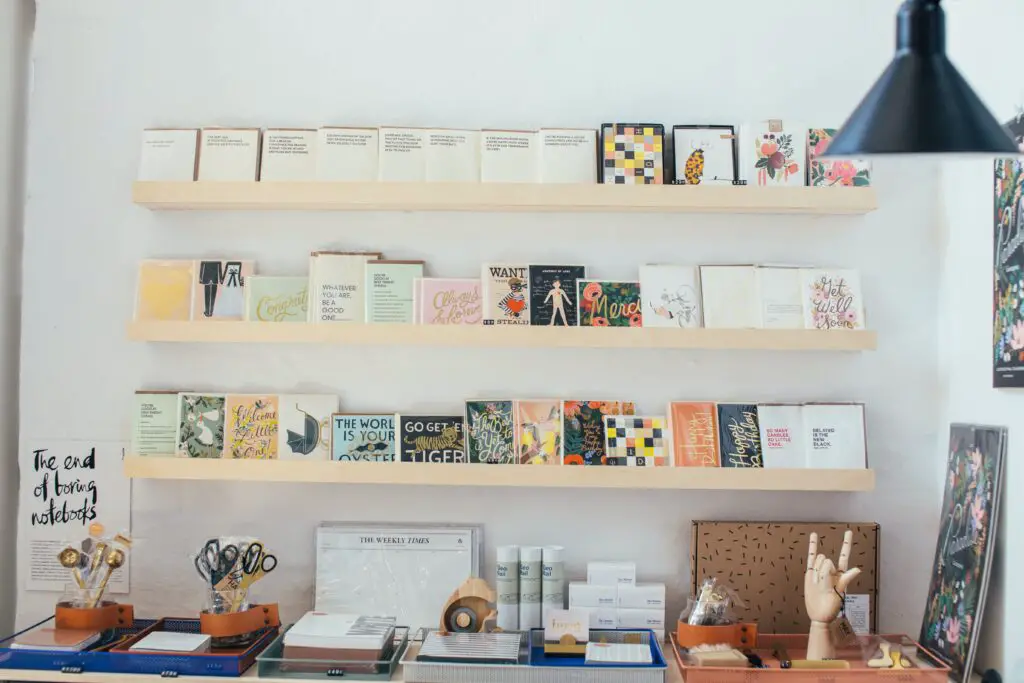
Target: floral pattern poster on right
<point>963,553</point>
<point>1008,271</point>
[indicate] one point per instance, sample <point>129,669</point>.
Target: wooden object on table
<point>469,608</point>
<point>740,636</point>
<point>825,585</point>
<point>101,618</point>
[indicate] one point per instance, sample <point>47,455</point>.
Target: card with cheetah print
<point>705,155</point>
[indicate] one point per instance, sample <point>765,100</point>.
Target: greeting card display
<point>431,438</point>
<point>705,154</point>
<point>607,303</point>
<point>447,301</point>
<point>539,431</point>
<point>219,290</point>
<point>773,154</point>
<point>832,299</point>
<point>490,434</point>
<point>363,437</point>
<point>553,296</point>
<point>833,172</point>
<point>583,430</point>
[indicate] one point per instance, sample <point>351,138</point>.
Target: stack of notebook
<point>56,639</point>
<point>339,638</point>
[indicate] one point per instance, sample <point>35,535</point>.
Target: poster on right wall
<point>1008,274</point>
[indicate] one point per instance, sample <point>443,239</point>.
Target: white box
<point>453,156</point>
<point>168,154</point>
<point>642,618</point>
<point>346,154</point>
<point>611,573</point>
<point>229,154</point>
<point>567,155</point>
<point>289,154</point>
<point>508,156</point>
<point>650,596</point>
<point>591,595</point>
<point>729,294</point>
<point>402,155</point>
<point>603,617</point>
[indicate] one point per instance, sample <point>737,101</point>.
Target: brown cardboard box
<point>765,563</point>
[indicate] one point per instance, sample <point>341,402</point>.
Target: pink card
<point>448,301</point>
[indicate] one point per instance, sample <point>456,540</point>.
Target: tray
<point>926,669</point>
<point>536,668</point>
<point>271,663</point>
<point>94,659</point>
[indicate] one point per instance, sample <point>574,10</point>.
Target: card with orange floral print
<point>608,303</point>
<point>833,172</point>
<point>583,430</point>
<point>773,154</point>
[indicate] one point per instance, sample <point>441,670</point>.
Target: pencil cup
<point>229,605</point>
<point>82,598</point>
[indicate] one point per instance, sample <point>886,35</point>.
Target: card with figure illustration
<point>539,431</point>
<point>273,299</point>
<point>201,425</point>
<point>251,426</point>
<point>506,294</point>
<point>670,296</point>
<point>431,438</point>
<point>773,153</point>
<point>609,303</point>
<point>447,301</point>
<point>369,437</point>
<point>553,294</point>
<point>705,155</point>
<point>636,441</point>
<point>219,290</point>
<point>490,432</point>
<point>739,435</point>
<point>305,432</point>
<point>832,299</point>
<point>833,172</point>
<point>583,430</point>
<point>694,429</point>
<point>164,290</point>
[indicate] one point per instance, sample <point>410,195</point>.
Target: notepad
<point>57,640</point>
<point>169,641</point>
<point>340,631</point>
<point>475,648</point>
<point>618,653</point>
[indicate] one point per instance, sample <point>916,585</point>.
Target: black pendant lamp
<point>921,104</point>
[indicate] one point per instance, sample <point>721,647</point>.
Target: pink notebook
<point>447,301</point>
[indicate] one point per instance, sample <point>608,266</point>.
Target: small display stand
<point>272,663</point>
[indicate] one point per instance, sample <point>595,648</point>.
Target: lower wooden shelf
<point>540,476</point>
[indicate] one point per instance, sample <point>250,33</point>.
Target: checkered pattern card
<point>632,153</point>
<point>636,441</point>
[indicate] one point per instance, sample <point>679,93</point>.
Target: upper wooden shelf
<point>543,476</point>
<point>382,196</point>
<point>512,336</point>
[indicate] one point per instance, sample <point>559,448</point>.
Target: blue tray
<point>95,658</point>
<point>539,658</point>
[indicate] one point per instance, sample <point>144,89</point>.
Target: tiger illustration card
<point>506,294</point>
<point>431,438</point>
<point>705,155</point>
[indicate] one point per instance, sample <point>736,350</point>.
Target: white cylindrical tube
<point>506,584</point>
<point>553,580</point>
<point>529,587</point>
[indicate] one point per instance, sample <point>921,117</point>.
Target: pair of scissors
<point>256,563</point>
<point>215,563</point>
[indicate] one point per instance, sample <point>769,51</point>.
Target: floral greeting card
<point>604,303</point>
<point>833,172</point>
<point>774,154</point>
<point>832,299</point>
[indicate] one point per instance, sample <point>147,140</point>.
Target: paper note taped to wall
<point>65,487</point>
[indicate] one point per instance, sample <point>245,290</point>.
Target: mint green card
<point>389,290</point>
<point>276,299</point>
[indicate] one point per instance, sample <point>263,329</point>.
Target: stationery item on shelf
<point>773,153</point>
<point>571,623</point>
<point>452,156</point>
<point>288,154</point>
<point>694,429</point>
<point>472,648</point>
<point>583,430</point>
<point>252,426</point>
<point>336,283</point>
<point>447,301</point>
<point>219,290</point>
<point>389,290</point>
<point>641,596</point>
<point>670,296</point>
<point>552,594</point>
<point>508,156</point>
<point>363,437</point>
<point>705,155</point>
<point>618,653</point>
<point>781,428</point>
<point>339,637</point>
<point>171,641</point>
<point>833,172</point>
<point>506,572</point>
<point>164,290</point>
<point>593,595</point>
<point>402,155</point>
<point>832,299</point>
<point>490,436</point>
<point>168,154</point>
<point>633,153</point>
<point>200,425</point>
<point>617,573</point>
<point>531,563</point>
<point>346,154</point>
<point>305,432</point>
<point>431,438</point>
<point>402,570</point>
<point>739,435</point>
<point>729,295</point>
<point>553,296</point>
<point>609,303</point>
<point>155,423</point>
<point>506,294</point>
<point>636,441</point>
<point>834,435</point>
<point>229,154</point>
<point>779,297</point>
<point>567,155</point>
<point>277,299</point>
<point>470,608</point>
<point>55,639</point>
<point>538,437</point>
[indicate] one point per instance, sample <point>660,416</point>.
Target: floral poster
<point>1008,276</point>
<point>609,304</point>
<point>833,172</point>
<point>963,554</point>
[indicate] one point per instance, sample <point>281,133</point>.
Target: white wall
<point>105,70</point>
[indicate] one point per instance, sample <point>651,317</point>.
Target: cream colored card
<point>508,156</point>
<point>347,154</point>
<point>729,294</point>
<point>288,155</point>
<point>453,156</point>
<point>567,622</point>
<point>229,154</point>
<point>168,154</point>
<point>779,299</point>
<point>403,155</point>
<point>567,155</point>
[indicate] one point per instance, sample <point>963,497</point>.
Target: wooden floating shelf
<point>512,336</point>
<point>533,197</point>
<point>540,476</point>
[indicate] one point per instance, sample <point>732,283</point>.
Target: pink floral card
<point>832,299</point>
<point>833,172</point>
<point>773,154</point>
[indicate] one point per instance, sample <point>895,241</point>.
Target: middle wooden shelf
<point>389,334</point>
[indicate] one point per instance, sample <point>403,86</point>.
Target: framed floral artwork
<point>1008,269</point>
<point>833,172</point>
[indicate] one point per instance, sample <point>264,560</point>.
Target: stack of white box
<point>616,600</point>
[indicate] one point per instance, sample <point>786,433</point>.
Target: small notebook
<point>169,641</point>
<point>618,653</point>
<point>59,640</point>
<point>475,648</point>
<point>340,631</point>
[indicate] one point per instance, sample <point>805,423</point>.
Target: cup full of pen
<point>229,566</point>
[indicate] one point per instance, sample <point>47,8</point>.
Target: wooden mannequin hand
<point>824,587</point>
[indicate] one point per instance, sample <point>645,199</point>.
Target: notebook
<point>169,641</point>
<point>59,640</point>
<point>618,653</point>
<point>340,631</point>
<point>475,648</point>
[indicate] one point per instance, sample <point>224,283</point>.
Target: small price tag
<point>841,632</point>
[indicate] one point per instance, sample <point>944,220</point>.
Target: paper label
<point>382,541</point>
<point>858,611</point>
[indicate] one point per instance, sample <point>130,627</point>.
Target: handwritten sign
<point>65,487</point>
